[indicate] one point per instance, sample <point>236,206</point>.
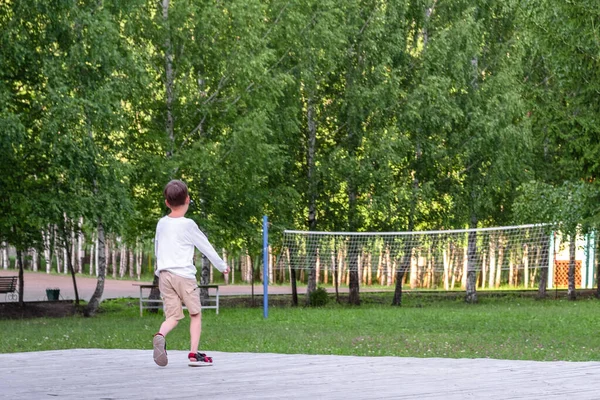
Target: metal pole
<point>265,267</point>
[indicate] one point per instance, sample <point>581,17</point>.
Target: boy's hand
<point>226,270</point>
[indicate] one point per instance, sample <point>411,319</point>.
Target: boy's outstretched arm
<point>201,242</point>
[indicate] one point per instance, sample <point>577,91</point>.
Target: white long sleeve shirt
<point>174,247</point>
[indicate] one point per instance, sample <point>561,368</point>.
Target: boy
<point>176,237</point>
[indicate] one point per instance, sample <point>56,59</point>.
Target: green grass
<point>505,328</point>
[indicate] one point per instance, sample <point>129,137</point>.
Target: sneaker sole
<point>160,354</point>
<point>199,364</point>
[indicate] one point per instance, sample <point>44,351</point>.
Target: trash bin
<point>52,294</point>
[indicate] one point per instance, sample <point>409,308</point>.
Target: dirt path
<point>36,284</point>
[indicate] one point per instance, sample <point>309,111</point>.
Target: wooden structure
<point>8,286</point>
<point>146,303</point>
<point>96,374</point>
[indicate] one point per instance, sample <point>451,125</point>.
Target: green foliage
<point>425,115</point>
<point>318,297</point>
<point>565,207</point>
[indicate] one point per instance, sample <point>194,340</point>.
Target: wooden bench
<point>152,304</point>
<point>8,285</point>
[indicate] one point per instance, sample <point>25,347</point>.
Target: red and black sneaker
<point>160,350</point>
<point>199,360</point>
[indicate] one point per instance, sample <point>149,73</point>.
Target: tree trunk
<point>92,254</point>
<point>471,295</point>
<point>353,295</point>
<point>492,260</point>
<point>597,242</point>
<point>21,276</point>
<point>500,261</point>
<point>169,78</point>
<point>204,278</point>
<point>292,258</point>
<point>123,261</point>
<point>131,263</point>
<point>312,192</point>
<point>526,265</point>
<point>73,256</point>
<point>335,271</point>
<point>312,270</point>
<point>69,260</point>
<point>114,258</point>
<point>596,256</point>
<point>404,266</point>
<point>80,244</point>
<point>545,261</point>
<point>57,254</point>
<point>4,255</point>
<point>106,257</point>
<point>353,251</point>
<point>406,256</point>
<point>97,256</point>
<point>94,303</point>
<point>34,259</point>
<point>572,253</point>
<point>138,261</point>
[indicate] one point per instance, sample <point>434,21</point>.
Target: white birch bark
<point>114,259</point>
<point>47,252</point>
<point>380,266</point>
<point>317,267</point>
<point>65,260</point>
<point>463,282</point>
<point>446,261</point>
<point>413,272</point>
<point>224,252</point>
<point>138,261</point>
<point>107,254</point>
<point>92,253</point>
<point>58,259</point>
<point>34,259</point>
<point>499,262</point>
<point>389,272</point>
<point>492,258</point>
<point>511,279</point>
<point>80,244</point>
<point>74,256</point>
<point>131,271</point>
<point>526,264</point>
<point>483,269</point>
<point>370,270</point>
<point>4,255</point>
<point>122,262</point>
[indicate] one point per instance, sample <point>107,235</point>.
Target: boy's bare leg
<point>167,326</point>
<point>159,344</point>
<point>195,329</point>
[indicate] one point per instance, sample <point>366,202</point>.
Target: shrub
<point>318,297</point>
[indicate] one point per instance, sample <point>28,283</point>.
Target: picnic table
<point>146,303</point>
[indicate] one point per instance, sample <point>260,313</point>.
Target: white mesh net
<point>502,257</point>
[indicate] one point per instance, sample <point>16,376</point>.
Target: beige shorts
<point>175,290</point>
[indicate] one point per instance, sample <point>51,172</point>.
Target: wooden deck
<point>131,374</point>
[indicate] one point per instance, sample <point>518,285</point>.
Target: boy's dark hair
<point>176,192</point>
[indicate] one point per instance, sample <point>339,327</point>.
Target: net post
<point>551,260</point>
<point>265,267</point>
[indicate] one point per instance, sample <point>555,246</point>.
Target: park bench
<point>151,304</point>
<point>8,286</point>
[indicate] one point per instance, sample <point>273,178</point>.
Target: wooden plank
<point>131,374</point>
